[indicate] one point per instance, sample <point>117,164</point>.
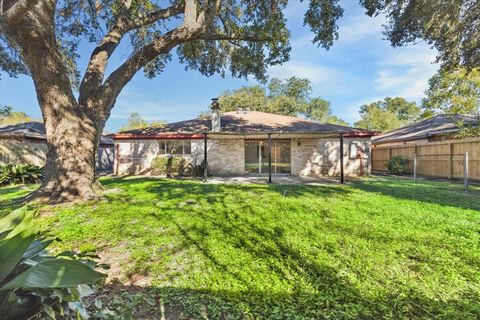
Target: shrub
<point>196,170</point>
<point>34,284</point>
<point>397,165</point>
<point>20,173</point>
<point>169,166</point>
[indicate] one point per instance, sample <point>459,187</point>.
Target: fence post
<point>465,170</point>
<point>450,160</point>
<point>414,167</point>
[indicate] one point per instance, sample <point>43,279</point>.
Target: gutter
<point>193,136</point>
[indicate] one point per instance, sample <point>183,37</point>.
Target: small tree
<point>137,122</point>
<point>453,92</point>
<point>388,114</point>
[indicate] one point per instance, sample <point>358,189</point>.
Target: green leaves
<point>20,173</point>
<point>11,251</point>
<point>291,96</point>
<point>33,282</point>
<point>54,273</point>
<point>454,92</point>
<point>388,114</point>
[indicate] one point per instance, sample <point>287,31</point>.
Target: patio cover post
<point>205,169</point>
<point>269,158</point>
<point>342,173</point>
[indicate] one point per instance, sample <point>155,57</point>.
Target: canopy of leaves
<point>453,92</point>
<point>451,27</point>
<point>135,121</point>
<point>388,114</point>
<point>288,97</point>
<point>242,37</point>
<point>9,117</point>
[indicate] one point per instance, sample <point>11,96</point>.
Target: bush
<point>196,170</point>
<point>20,173</point>
<point>34,284</point>
<point>169,166</point>
<point>397,165</point>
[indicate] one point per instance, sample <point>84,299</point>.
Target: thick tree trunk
<point>70,168</point>
<point>73,130</point>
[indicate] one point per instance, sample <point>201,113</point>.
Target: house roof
<point>439,124</point>
<point>33,130</point>
<point>244,122</point>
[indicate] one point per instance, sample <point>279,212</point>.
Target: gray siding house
<point>26,143</point>
<point>237,143</point>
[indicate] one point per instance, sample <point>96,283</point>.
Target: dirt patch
<point>118,259</point>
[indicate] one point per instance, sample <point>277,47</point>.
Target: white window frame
<point>164,141</point>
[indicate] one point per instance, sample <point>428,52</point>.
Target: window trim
<point>165,141</point>
<point>353,155</point>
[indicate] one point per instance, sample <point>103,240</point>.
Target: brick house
<point>243,142</point>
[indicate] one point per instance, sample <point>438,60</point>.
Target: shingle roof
<point>440,124</point>
<point>243,122</point>
<point>35,130</point>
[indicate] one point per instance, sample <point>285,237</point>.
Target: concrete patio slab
<point>281,179</point>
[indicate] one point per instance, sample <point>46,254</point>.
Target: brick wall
<point>320,157</point>
<point>309,157</point>
<point>225,157</point>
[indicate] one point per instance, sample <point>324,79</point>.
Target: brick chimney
<point>215,107</point>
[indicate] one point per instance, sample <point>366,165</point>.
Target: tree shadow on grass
<point>177,189</point>
<point>338,300</point>
<point>445,194</point>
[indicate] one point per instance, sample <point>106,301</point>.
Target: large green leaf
<point>37,247</point>
<point>12,220</point>
<point>12,250</point>
<point>19,221</point>
<point>54,273</point>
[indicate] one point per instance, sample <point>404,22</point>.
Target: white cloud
<point>406,72</point>
<point>314,72</point>
<point>359,27</point>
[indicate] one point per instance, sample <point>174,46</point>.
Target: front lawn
<point>379,248</point>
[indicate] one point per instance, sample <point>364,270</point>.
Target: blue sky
<point>360,68</point>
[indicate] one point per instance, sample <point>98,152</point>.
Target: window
<point>175,147</point>
<point>353,150</point>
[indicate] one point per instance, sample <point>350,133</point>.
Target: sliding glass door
<point>256,157</point>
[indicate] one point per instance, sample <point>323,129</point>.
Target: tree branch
<point>193,28</point>
<point>98,60</point>
<point>15,11</point>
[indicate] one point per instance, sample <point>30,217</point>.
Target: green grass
<point>377,248</point>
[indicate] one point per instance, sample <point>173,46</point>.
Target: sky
<point>360,68</point>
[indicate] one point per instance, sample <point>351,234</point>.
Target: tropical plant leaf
<point>12,251</point>
<point>54,273</point>
<point>38,246</point>
<point>13,219</point>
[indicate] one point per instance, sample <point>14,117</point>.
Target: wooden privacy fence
<point>443,159</point>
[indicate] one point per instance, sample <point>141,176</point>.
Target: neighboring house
<point>437,128</point>
<point>237,144</point>
<point>26,143</point>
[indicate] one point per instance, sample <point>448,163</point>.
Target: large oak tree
<point>40,37</point>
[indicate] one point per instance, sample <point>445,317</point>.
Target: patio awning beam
<point>205,155</point>
<point>269,158</point>
<point>342,173</point>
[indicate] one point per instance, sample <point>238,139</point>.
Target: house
<point>26,143</point>
<point>241,142</point>
<point>437,128</point>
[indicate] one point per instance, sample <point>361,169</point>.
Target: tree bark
<point>73,131</point>
<point>70,168</point>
